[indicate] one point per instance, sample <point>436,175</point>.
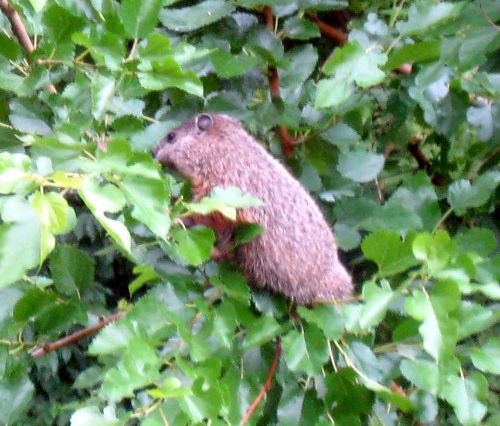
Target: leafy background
<point>396,119</point>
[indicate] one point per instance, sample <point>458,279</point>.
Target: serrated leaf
<point>462,394</point>
<point>19,240</point>
<point>486,357</point>
<point>227,65</point>
<point>72,269</point>
<point>435,250</point>
<point>326,317</point>
<point>422,373</point>
<point>197,16</point>
<point>391,254</point>
<point>425,15</point>
<point>305,352</point>
<point>194,244</point>
<point>261,331</point>
<point>103,90</point>
<point>377,300</point>
<point>138,368</point>
<point>14,169</point>
<point>463,195</point>
<point>149,198</point>
<point>15,395</point>
<point>438,329</point>
<point>423,51</point>
<point>225,201</point>
<point>55,216</point>
<point>360,166</point>
<point>350,64</point>
<point>139,17</point>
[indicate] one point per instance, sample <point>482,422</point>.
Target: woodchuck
<point>296,255</point>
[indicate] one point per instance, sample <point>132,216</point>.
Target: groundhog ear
<point>204,122</point>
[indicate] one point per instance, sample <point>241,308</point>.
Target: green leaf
<point>91,416</point>
<point>377,300</point>
<point>15,396</point>
<point>168,74</point>
<point>33,302</point>
<point>103,89</point>
<point>138,368</point>
<point>194,17</point>
<point>477,240</point>
<point>486,357</point>
<point>462,195</point>
<point>346,237</point>
<point>19,240</point>
<point>55,216</point>
<point>425,15</point>
<point>438,330</point>
<point>72,269</point>
<point>422,373</point>
<point>474,318</point>
<point>326,317</point>
<point>139,17</point>
<point>360,166</point>
<point>14,172</point>
<point>149,198</point>
<point>435,250</point>
<point>229,66</point>
<point>107,198</point>
<point>350,64</point>
<point>300,29</point>
<point>225,201</point>
<point>423,51</point>
<point>194,244</point>
<point>261,331</point>
<point>391,254</point>
<point>463,393</point>
<point>246,232</point>
<point>232,282</point>
<point>306,351</point>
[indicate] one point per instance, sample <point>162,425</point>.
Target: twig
<point>490,21</point>
<point>334,34</point>
<point>287,140</point>
<point>267,385</point>
<point>19,31</point>
<point>74,337</point>
<point>442,220</point>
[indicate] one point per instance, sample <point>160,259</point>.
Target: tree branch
<point>267,385</point>
<point>423,163</point>
<point>287,140</point>
<point>334,34</point>
<point>19,31</point>
<point>74,337</point>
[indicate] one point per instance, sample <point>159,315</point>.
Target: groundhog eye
<point>204,122</point>
<point>171,137</point>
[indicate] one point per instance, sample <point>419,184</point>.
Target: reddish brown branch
<point>74,337</point>
<point>19,31</point>
<point>287,140</point>
<point>414,148</point>
<point>267,385</point>
<point>423,163</point>
<point>334,34</point>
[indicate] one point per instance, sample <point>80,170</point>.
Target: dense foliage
<point>397,134</point>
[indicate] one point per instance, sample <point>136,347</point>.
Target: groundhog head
<point>184,147</point>
<point>202,146</point>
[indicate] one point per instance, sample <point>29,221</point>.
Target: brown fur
<point>296,255</point>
